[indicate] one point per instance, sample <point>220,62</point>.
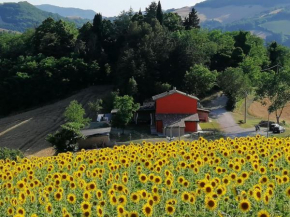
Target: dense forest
<point>141,54</point>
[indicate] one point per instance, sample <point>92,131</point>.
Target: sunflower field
<point>226,177</point>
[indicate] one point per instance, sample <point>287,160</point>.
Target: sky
<point>112,7</point>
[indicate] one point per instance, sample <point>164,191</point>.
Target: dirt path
<point>226,120</point>
<point>27,131</point>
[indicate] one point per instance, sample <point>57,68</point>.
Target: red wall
<point>203,116</point>
<point>190,126</point>
<point>176,104</point>
<point>159,126</point>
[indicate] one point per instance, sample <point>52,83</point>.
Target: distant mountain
<point>68,12</point>
<point>266,18</point>
<point>22,16</point>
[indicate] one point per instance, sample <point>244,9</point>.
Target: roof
<point>147,108</point>
<point>100,131</point>
<point>172,92</point>
<point>203,110</point>
<point>176,120</point>
<point>114,111</point>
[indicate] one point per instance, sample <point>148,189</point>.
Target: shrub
<point>10,153</point>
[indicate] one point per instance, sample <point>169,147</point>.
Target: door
<point>159,126</point>
<point>190,126</point>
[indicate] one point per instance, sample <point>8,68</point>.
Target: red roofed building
<point>177,113</point>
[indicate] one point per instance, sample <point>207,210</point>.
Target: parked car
<point>278,129</point>
<point>271,128</point>
<point>265,124</point>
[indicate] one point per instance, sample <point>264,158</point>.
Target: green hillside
<point>280,26</point>
<point>223,3</point>
<point>22,16</point>
<point>68,12</point>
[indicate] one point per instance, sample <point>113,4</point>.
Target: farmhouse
<point>173,113</point>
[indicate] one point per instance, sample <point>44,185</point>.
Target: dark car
<point>278,129</point>
<point>265,124</point>
<point>271,128</point>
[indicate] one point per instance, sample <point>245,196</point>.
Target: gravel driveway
<point>227,122</point>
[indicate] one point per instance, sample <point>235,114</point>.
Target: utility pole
<point>268,124</point>
<point>245,116</point>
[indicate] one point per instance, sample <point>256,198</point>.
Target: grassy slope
<point>281,26</point>
<point>252,120</point>
<point>27,131</point>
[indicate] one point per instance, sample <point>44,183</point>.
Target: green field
<point>281,26</point>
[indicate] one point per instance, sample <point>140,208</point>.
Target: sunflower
<point>180,179</point>
<point>135,197</point>
<point>245,205</point>
<point>208,189</point>
<point>210,203</point>
<point>185,183</point>
<point>288,192</point>
<point>87,195</point>
<point>143,193</point>
<point>102,203</point>
<point>113,200</point>
<point>185,196</point>
<point>20,185</point>
<point>133,214</point>
<point>147,210</point>
<point>10,211</point>
<point>58,196</point>
<point>157,180</point>
<point>257,194</point>
<point>121,210</point>
<point>169,209</point>
<point>168,182</point>
<point>72,185</point>
<point>201,183</point>
<point>91,186</point>
<point>20,211</point>
<point>48,208</point>
<point>263,213</point>
<point>266,198</point>
<point>100,211</point>
<point>143,178</point>
<point>71,198</point>
<point>175,191</point>
<point>86,213</point>
<point>85,206</point>
<point>122,200</point>
<point>156,198</point>
<point>192,199</point>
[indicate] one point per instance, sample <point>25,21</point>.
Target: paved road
<point>227,122</point>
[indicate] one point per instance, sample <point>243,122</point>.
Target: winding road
<point>227,122</point>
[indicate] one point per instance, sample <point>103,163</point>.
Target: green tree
<point>98,24</point>
<point>126,109</point>
<point>95,107</point>
<point>173,22</point>
<point>159,14</point>
<point>66,138</point>
<point>151,12</point>
<point>235,84</point>
<point>241,41</point>
<point>279,54</point>
<point>108,101</point>
<point>192,21</point>
<point>132,88</point>
<point>162,87</point>
<point>199,80</point>
<point>276,88</point>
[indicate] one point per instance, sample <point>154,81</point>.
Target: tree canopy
<point>140,54</point>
